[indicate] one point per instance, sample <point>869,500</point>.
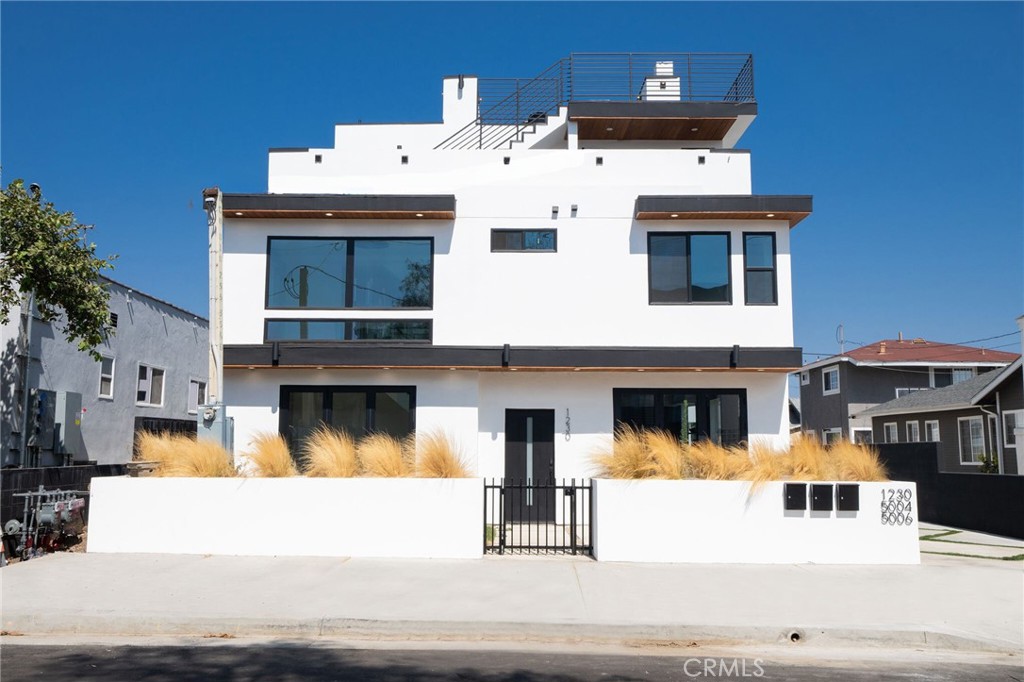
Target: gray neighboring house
<point>968,420</point>
<point>153,373</point>
<point>834,392</point>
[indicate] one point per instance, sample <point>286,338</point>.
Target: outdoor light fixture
<point>238,213</point>
<point>770,215</point>
<point>675,215</point>
<point>419,215</point>
<point>328,214</point>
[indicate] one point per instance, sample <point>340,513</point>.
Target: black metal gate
<point>537,517</point>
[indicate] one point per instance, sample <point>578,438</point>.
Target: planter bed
<point>728,522</point>
<point>358,517</point>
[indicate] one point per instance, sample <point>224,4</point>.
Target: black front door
<point>530,465</point>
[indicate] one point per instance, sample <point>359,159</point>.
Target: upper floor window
<point>913,432</point>
<point>759,285</point>
<point>890,432</point>
<point>524,240</point>
<point>328,273</point>
<point>944,376</point>
<point>805,377</point>
<point>689,267</point>
<point>106,377</point>
<point>151,386</point>
<point>1011,420</point>
<point>830,381</point>
<point>348,330</point>
<point>931,430</point>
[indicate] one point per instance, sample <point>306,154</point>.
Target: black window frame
<point>774,269</point>
<point>503,231</point>
<point>689,269</point>
<point>350,268</point>
<point>284,406</point>
<point>348,322</point>
<point>703,396</point>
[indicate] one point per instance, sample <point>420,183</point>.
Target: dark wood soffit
<point>343,215</point>
<point>793,217</point>
<point>654,128</point>
<point>783,370</point>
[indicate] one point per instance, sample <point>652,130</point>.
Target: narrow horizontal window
<point>326,274</point>
<point>524,240</point>
<point>348,330</point>
<point>688,268</point>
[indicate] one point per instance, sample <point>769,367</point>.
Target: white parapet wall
<point>355,517</point>
<point>733,522</point>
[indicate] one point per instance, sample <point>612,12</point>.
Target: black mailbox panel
<point>848,497</point>
<point>796,496</point>
<point>821,496</point>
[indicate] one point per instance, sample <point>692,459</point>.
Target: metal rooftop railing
<point>506,106</point>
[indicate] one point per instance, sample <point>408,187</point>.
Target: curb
<point>626,634</point>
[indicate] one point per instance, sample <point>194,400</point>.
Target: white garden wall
<point>726,522</point>
<point>359,517</point>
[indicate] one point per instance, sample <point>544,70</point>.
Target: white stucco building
<point>556,255</point>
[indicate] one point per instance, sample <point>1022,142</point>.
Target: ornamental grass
<point>184,456</point>
<point>439,456</point>
<point>381,455</point>
<point>329,453</point>
<point>269,457</point>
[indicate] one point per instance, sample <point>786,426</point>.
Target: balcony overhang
<point>341,206</point>
<point>791,208</point>
<point>509,358</point>
<point>701,121</point>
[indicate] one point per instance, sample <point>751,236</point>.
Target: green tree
<point>44,251</point>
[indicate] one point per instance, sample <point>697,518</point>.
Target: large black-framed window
<point>689,267</point>
<point>760,282</point>
<point>419,331</point>
<point>359,410</point>
<point>524,240</point>
<point>327,273</point>
<point>687,413</point>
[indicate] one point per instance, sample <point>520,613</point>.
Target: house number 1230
<point>897,506</point>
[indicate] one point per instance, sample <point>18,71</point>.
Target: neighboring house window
<point>805,378</point>
<point>972,439</point>
<point>759,283</point>
<point>900,392</point>
<point>891,432</point>
<point>913,432</point>
<point>829,436</point>
<point>151,386</point>
<point>688,414</point>
<point>358,410</point>
<point>1011,420</point>
<point>688,268</point>
<point>862,436</point>
<point>317,273</point>
<point>106,377</point>
<point>830,381</point>
<point>931,430</point>
<point>196,395</point>
<point>524,240</point>
<point>944,376</point>
<point>347,330</point>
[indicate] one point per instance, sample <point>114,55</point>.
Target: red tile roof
<point>918,350</point>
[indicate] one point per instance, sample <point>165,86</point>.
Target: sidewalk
<point>948,602</point>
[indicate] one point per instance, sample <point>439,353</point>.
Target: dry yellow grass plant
<point>626,457</point>
<point>330,453</point>
<point>856,462</point>
<point>439,456</point>
<point>269,456</point>
<point>180,455</point>
<point>383,455</point>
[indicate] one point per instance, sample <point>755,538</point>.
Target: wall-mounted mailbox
<point>796,496</point>
<point>847,497</point>
<point>821,496</point>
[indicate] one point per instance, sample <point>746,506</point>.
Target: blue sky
<point>904,120</point>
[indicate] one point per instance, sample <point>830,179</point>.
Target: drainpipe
<point>213,203</point>
<point>999,431</point>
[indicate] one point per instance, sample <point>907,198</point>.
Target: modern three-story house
<point>557,255</point>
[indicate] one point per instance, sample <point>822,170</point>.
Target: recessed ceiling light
<point>319,367</point>
<point>699,370</point>
<point>238,213</point>
<point>452,368</point>
<point>419,215</point>
<point>675,215</point>
<point>385,368</point>
<point>328,214</point>
<point>771,215</point>
<point>641,370</point>
<point>252,368</point>
<point>693,130</point>
<point>610,129</point>
<point>512,369</point>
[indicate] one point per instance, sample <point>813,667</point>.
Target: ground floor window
<point>689,414</point>
<point>913,432</point>
<point>931,430</point>
<point>862,436</point>
<point>359,410</point>
<point>972,439</point>
<point>830,436</point>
